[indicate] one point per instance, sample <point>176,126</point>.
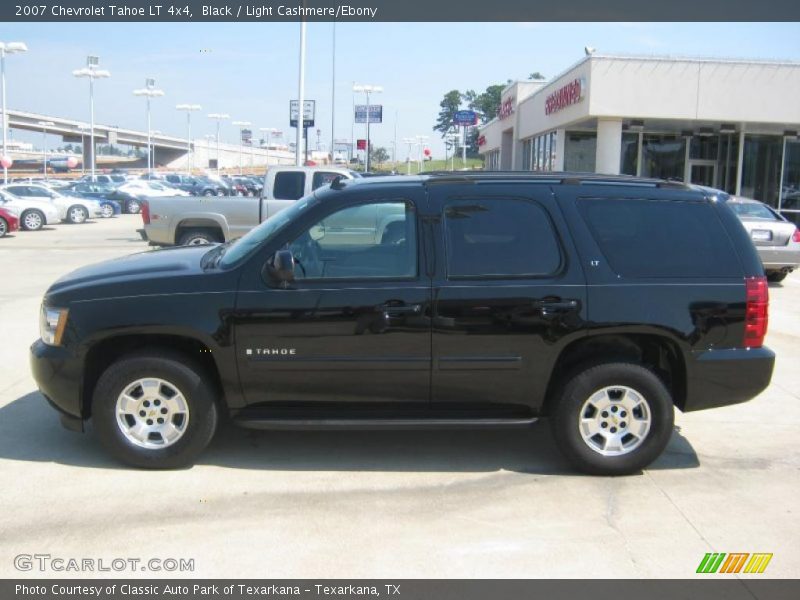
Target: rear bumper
<point>724,377</point>
<point>780,257</point>
<point>58,375</point>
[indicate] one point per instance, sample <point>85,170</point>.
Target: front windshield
<point>255,237</point>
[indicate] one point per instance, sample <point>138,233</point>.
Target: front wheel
<point>3,227</point>
<point>612,418</point>
<point>32,220</point>
<point>134,207</point>
<point>107,211</point>
<point>77,214</point>
<point>154,410</point>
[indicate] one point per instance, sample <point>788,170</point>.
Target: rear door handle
<point>557,304</point>
<point>401,309</point>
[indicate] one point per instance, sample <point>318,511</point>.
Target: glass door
<point>703,172</point>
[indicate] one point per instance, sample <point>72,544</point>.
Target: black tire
<point>77,214</point>
<point>133,207</point>
<point>195,387</point>
<point>209,193</point>
<point>3,227</point>
<point>776,276</point>
<point>197,237</point>
<point>32,220</point>
<point>567,405</point>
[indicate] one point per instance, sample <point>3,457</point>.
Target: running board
<point>369,423</point>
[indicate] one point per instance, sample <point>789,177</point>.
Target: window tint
<point>499,238</point>
<point>289,185</point>
<point>322,178</point>
<point>661,238</point>
<point>360,242</point>
<point>18,190</point>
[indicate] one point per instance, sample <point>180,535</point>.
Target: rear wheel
<point>3,227</point>
<point>197,237</point>
<point>32,220</point>
<point>134,207</point>
<point>776,276</point>
<point>208,193</point>
<point>612,418</point>
<point>107,211</point>
<point>154,410</point>
<point>77,214</point>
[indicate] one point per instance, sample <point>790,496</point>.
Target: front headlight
<point>52,323</point>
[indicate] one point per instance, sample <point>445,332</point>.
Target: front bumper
<point>723,377</point>
<point>58,375</point>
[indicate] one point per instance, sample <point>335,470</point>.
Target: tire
<point>3,227</point>
<point>149,380</point>
<point>197,237</point>
<point>133,207</point>
<point>107,211</point>
<point>77,214</point>
<point>208,193</point>
<point>579,409</point>
<point>32,220</point>
<point>776,276</point>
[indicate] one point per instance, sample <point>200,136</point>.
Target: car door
<point>507,296</point>
<point>353,328</point>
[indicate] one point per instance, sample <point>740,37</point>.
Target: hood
<point>155,271</point>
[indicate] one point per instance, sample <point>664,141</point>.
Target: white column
<point>740,162</point>
<point>609,146</point>
<point>561,144</point>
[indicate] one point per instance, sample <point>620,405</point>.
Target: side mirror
<point>280,268</point>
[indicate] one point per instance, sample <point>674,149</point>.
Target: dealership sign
<point>506,108</point>
<point>374,114</point>
<point>465,118</point>
<point>565,96</point>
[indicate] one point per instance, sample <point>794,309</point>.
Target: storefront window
<point>663,156</point>
<point>580,151</point>
<point>526,155</point>
<point>630,153</point>
<point>704,147</point>
<point>761,167</point>
<point>536,149</point>
<point>790,201</point>
<point>553,146</point>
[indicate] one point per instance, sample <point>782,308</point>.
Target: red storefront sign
<point>567,95</point>
<point>361,144</point>
<point>506,108</point>
<point>482,140</point>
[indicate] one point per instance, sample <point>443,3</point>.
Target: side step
<point>381,423</point>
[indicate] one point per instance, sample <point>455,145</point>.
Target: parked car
<point>71,209</point>
<point>776,239</point>
<point>99,192</point>
<point>145,188</point>
<point>492,300</point>
<point>196,186</point>
<point>33,214</point>
<point>179,221</point>
<point>9,221</point>
<point>109,179</point>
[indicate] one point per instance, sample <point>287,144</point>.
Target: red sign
<point>570,94</point>
<point>506,108</point>
<point>361,144</point>
<point>482,140</point>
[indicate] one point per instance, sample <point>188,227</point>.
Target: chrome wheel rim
<point>33,221</point>
<point>2,227</point>
<point>77,214</point>
<point>108,211</point>
<point>197,241</point>
<point>615,420</point>
<point>134,208</point>
<point>152,413</point>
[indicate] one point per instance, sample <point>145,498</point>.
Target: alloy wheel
<point>615,420</point>
<point>152,413</point>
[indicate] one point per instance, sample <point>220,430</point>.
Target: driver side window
<point>375,240</point>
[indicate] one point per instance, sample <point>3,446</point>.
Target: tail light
<point>145,212</point>
<point>756,311</point>
<point>796,235</point>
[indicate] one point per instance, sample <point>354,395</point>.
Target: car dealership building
<point>729,124</point>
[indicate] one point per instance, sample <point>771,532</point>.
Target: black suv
<point>445,300</point>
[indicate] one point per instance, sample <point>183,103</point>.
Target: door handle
<point>401,309</point>
<point>556,304</point>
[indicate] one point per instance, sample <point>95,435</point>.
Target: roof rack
<point>565,178</point>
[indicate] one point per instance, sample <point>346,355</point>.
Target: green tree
<point>378,155</point>
<point>487,103</point>
<point>448,107</point>
<point>536,76</point>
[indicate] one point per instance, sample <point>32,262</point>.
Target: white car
<point>33,214</point>
<point>70,208</point>
<point>144,187</point>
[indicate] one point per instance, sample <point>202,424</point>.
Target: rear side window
<point>499,238</point>
<point>661,238</point>
<point>322,178</point>
<point>289,185</point>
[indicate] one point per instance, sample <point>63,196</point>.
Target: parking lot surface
<point>387,504</point>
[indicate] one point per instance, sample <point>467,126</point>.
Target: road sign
<point>247,136</point>
<point>309,108</point>
<point>465,118</point>
<point>361,144</point>
<point>375,113</point>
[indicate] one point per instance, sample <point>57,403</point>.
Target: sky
<point>250,70</point>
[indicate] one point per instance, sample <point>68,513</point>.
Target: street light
<point>44,125</point>
<point>83,127</point>
<point>189,108</point>
<point>7,48</point>
<point>367,89</point>
<point>218,117</point>
<point>241,125</point>
<point>269,131</point>
<point>91,72</point>
<point>149,91</point>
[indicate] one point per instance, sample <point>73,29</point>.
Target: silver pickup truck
<point>176,220</point>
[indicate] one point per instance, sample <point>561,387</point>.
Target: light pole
<point>420,140</point>
<point>411,142</point>
<point>91,72</point>
<point>301,87</point>
<point>367,89</point>
<point>149,91</point>
<point>7,48</point>
<point>241,125</point>
<point>44,125</point>
<point>83,127</point>
<point>189,108</point>
<point>269,131</point>
<point>218,117</point>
